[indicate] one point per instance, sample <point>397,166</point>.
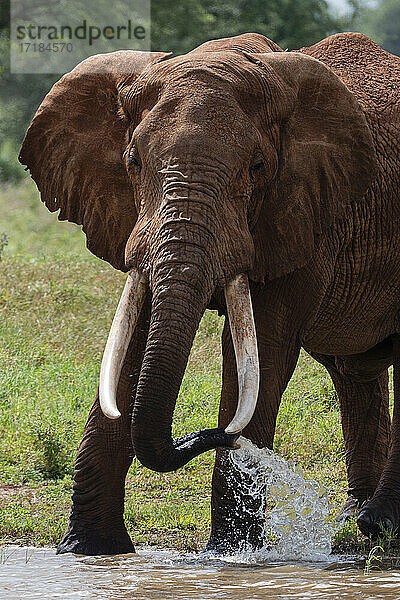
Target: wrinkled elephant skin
<point>259,182</point>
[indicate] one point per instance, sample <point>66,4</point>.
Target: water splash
<point>296,528</point>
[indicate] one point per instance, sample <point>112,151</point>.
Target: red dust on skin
<point>313,230</point>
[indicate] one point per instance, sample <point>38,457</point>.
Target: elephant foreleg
<point>96,524</point>
<point>237,518</point>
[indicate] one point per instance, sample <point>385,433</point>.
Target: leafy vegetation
<point>290,23</point>
<point>381,23</point>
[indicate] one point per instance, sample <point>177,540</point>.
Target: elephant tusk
<point>122,328</point>
<point>243,331</point>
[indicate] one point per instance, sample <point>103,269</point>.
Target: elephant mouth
<point>242,326</point>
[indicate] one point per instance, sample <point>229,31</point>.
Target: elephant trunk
<point>177,308</point>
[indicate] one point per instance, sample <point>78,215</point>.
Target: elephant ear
<point>74,146</point>
<point>326,160</point>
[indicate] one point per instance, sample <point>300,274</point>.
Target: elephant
<point>250,180</point>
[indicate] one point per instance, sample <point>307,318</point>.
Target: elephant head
<point>196,173</point>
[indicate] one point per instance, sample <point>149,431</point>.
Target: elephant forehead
<point>214,68</point>
<point>201,122</point>
<point>221,76</point>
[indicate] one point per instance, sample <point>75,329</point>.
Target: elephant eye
<point>132,158</point>
<point>257,164</point>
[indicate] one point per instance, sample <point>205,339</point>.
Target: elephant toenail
<point>365,517</point>
<point>387,524</point>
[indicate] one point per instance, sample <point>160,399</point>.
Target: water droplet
<point>298,518</point>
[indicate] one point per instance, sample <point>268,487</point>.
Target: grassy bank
<point>56,305</point>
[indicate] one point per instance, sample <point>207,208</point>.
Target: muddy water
<point>159,575</point>
<point>297,565</point>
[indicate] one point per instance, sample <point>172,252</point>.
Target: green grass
<point>56,305</point>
